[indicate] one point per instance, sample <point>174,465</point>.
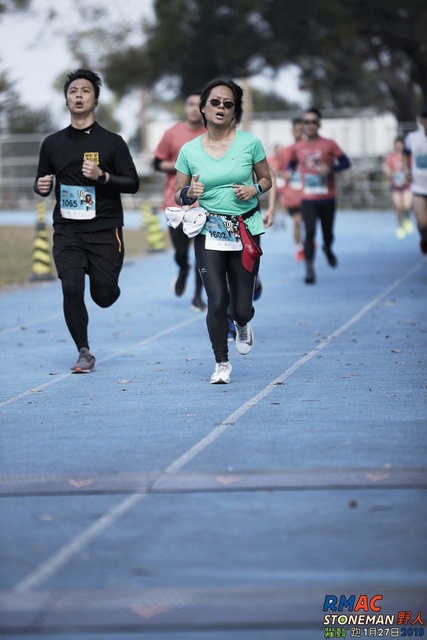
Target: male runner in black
<point>88,164</point>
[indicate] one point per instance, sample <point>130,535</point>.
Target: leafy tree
<point>12,5</point>
<point>8,100</point>
<point>351,51</point>
<point>16,117</point>
<point>24,120</point>
<point>197,41</point>
<point>190,42</point>
<point>357,53</point>
<point>395,36</point>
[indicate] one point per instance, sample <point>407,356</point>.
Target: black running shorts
<point>99,253</point>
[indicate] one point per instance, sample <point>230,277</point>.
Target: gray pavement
<point>141,501</point>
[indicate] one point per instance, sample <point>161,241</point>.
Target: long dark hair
<point>237,93</point>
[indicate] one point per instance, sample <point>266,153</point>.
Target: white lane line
<point>49,568</point>
<point>232,418</point>
<point>26,325</point>
<point>132,347</point>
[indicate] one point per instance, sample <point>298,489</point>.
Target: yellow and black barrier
<point>42,259</point>
<point>155,233</point>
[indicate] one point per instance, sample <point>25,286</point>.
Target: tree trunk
<point>247,104</point>
<point>145,98</point>
<point>419,76</point>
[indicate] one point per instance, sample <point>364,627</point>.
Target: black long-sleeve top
<point>62,154</point>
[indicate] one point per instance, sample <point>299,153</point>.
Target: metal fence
<point>18,163</point>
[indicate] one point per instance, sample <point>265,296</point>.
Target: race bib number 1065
<point>78,203</point>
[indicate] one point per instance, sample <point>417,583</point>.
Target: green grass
<point>17,251</point>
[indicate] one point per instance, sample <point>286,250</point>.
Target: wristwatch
<point>259,189</point>
<point>102,178</point>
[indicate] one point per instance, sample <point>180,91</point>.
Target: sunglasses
<point>227,104</point>
<point>311,122</point>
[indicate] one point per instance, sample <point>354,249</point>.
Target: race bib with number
<point>399,179</point>
<point>222,234</point>
<point>78,203</point>
<point>421,162</point>
<point>295,182</point>
<point>314,184</point>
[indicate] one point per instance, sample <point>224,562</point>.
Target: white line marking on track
<point>49,568</point>
<point>26,325</point>
<point>131,347</point>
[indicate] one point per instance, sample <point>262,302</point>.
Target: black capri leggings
<point>229,289</point>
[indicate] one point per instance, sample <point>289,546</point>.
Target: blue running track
<point>140,501</point>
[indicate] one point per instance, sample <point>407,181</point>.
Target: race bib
<point>222,234</point>
<point>421,162</point>
<point>314,184</point>
<point>78,203</point>
<point>399,179</point>
<point>295,182</point>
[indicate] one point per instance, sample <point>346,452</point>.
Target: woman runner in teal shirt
<point>218,169</point>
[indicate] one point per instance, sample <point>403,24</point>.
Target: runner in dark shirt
<point>89,167</point>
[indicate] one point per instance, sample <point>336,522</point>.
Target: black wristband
<point>183,197</point>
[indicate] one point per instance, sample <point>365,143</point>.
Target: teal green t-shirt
<point>218,174</point>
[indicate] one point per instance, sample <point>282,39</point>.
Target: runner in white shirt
<point>416,154</point>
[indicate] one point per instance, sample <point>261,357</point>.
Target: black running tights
<point>75,312</point>
<point>181,243</point>
<point>325,211</point>
<point>229,287</point>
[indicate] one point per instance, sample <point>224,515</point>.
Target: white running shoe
<point>221,375</point>
<point>244,338</point>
